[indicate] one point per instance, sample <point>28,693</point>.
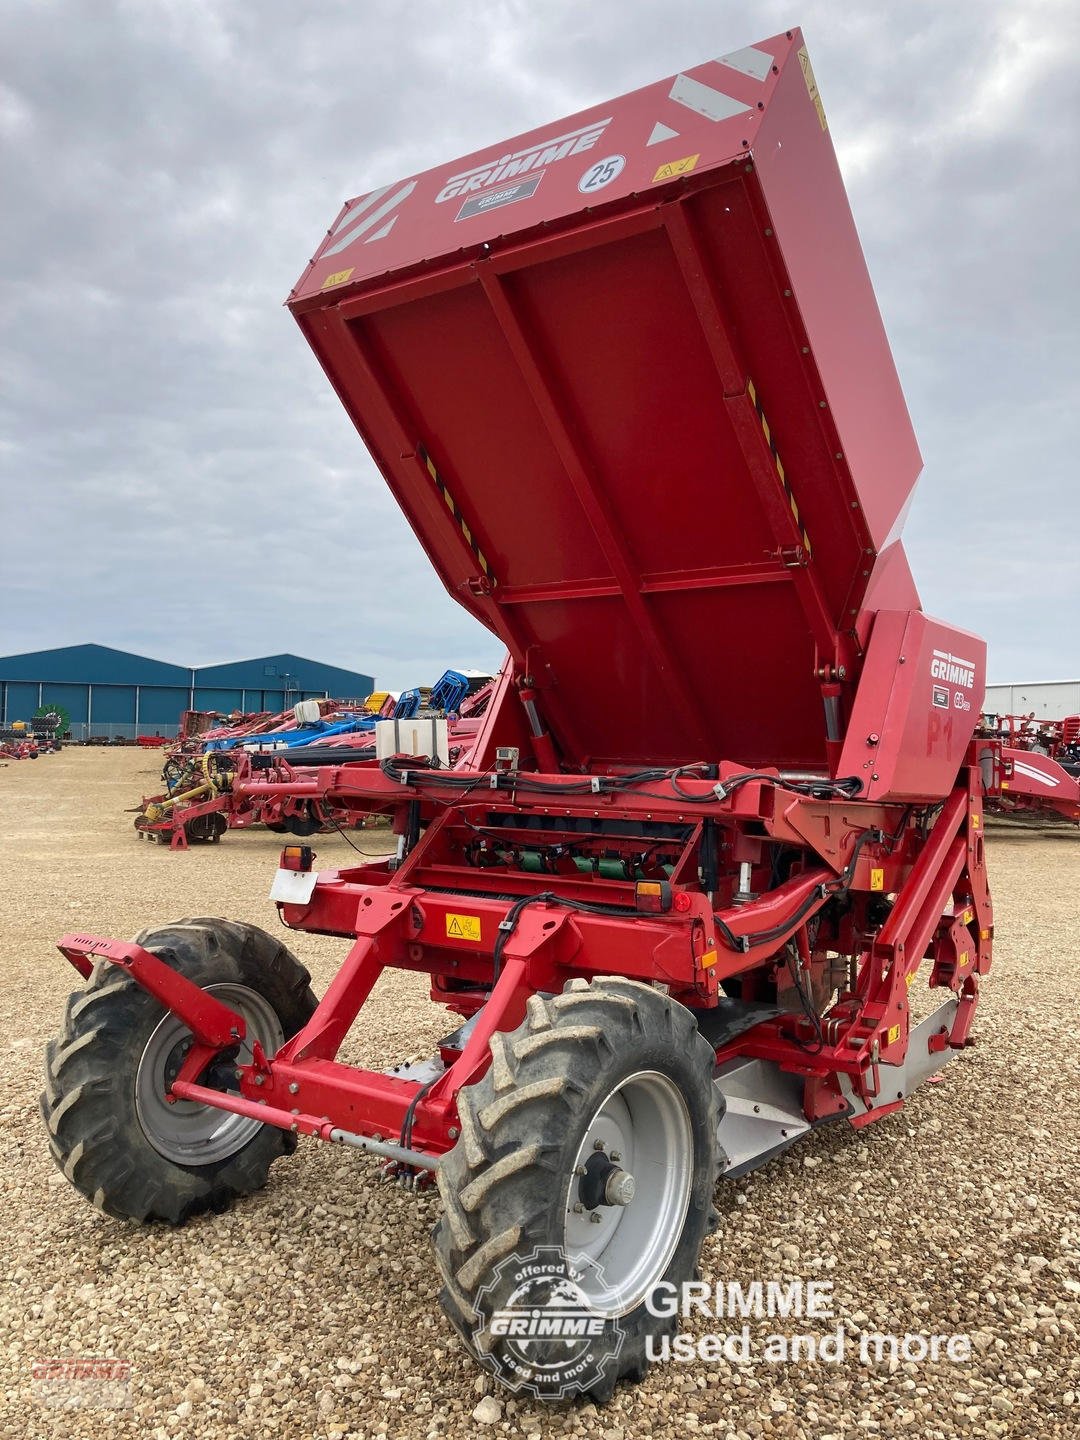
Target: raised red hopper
<point>627,378</point>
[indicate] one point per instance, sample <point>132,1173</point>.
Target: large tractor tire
<point>111,1130</point>
<point>591,1145</point>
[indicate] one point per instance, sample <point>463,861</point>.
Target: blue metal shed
<point>272,682</point>
<point>116,693</point>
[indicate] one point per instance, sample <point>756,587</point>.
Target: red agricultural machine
<point>209,758</point>
<point>1039,768</point>
<point>208,792</point>
<point>627,379</point>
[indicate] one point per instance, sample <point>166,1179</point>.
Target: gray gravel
<point>309,1310</point>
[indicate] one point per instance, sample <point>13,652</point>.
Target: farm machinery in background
<point>18,742</point>
<point>207,772</point>
<point>27,739</point>
<point>627,378</point>
<point>1040,768</point>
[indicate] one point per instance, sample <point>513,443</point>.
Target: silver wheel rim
<point>644,1121</point>
<point>186,1132</point>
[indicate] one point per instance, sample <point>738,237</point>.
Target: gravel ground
<point>309,1310</point>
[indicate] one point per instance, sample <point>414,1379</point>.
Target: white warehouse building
<point>1045,699</point>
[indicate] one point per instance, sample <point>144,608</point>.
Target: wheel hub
<point>603,1182</point>
<point>183,1130</point>
<point>174,1062</point>
<point>629,1191</point>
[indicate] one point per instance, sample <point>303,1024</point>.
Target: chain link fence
<point>113,733</point>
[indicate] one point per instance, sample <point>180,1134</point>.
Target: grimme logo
<point>91,1382</point>
<point>534,157</point>
<point>952,669</point>
<point>539,1330</point>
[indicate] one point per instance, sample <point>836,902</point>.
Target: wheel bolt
<point>595,1218</point>
<point>578,1208</point>
<point>598,1144</point>
<point>293,1087</point>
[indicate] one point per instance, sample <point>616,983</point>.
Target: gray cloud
<point>180,480</point>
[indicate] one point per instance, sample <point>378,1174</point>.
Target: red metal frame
<point>403,919</point>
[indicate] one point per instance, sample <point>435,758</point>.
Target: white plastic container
<point>306,712</point>
<point>426,736</point>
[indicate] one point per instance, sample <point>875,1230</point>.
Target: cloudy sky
<point>178,478</point>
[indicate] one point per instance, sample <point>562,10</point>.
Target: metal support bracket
<point>212,1023</point>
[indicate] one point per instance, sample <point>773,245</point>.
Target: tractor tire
<point>111,1131</point>
<point>612,1064</point>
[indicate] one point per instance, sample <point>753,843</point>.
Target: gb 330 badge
<point>953,670</point>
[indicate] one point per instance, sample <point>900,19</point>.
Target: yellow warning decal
<point>968,916</point>
<point>674,168</point>
<point>811,86</point>
<point>451,505</point>
<point>975,821</point>
<point>892,1035</point>
<point>909,979</point>
<point>338,278</point>
<point>708,959</point>
<point>962,958</point>
<point>877,879</point>
<point>984,934</point>
<point>463,927</point>
<point>781,474</point>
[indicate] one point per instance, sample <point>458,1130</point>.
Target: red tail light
<point>652,897</point>
<point>297,857</point>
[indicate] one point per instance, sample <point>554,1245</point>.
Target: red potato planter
<point>627,379</point>
<point>1039,764</point>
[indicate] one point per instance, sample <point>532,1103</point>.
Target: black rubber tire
<point>304,825</point>
<point>503,1184</point>
<point>206,829</point>
<point>88,1104</point>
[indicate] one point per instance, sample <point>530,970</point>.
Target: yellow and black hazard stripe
<point>752,392</point>
<point>451,505</point>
